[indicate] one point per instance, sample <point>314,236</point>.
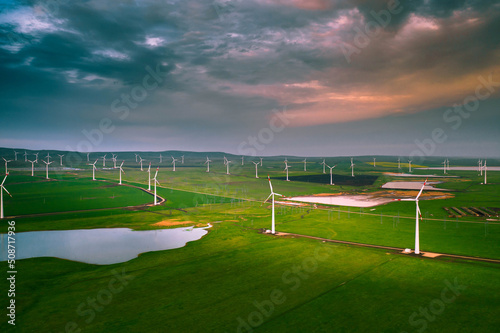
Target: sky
<point>252,77</point>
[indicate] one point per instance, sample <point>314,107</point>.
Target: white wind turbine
<point>286,169</point>
<point>15,155</point>
<point>182,159</point>
<point>156,182</point>
<point>149,177</point>
<point>480,167</point>
<point>207,162</point>
<point>60,159</point>
<point>6,162</point>
<point>448,164</point>
<point>136,155</point>
<point>161,157</point>
<point>88,157</point>
<point>104,160</point>
<point>242,160</point>
<point>374,164</point>
<point>32,167</point>
<point>47,168</point>
<point>323,164</point>
<point>417,215</point>
<point>444,167</point>
<point>352,168</point>
<point>140,161</point>
<point>331,176</point>
<point>93,168</point>
<point>305,164</point>
<point>399,163</point>
<point>36,157</point>
<point>227,167</point>
<point>485,169</point>
<point>48,157</point>
<point>256,165</point>
<point>173,162</point>
<point>409,166</point>
<point>114,160</point>
<point>273,231</point>
<point>260,161</point>
<point>2,188</point>
<point>25,156</point>
<point>120,172</point>
<point>225,160</point>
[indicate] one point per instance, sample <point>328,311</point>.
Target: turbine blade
<point>4,179</point>
<point>281,195</point>
<point>419,193</point>
<point>270,185</point>
<point>267,199</point>
<point>156,174</point>
<point>6,191</point>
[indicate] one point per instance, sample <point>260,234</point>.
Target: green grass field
<point>236,279</point>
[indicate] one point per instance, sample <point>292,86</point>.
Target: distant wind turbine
<point>374,160</point>
<point>93,169</point>
<point>88,157</point>
<point>120,172</point>
<point>60,159</point>
<point>260,161</point>
<point>352,168</point>
<point>2,188</point>
<point>173,162</point>
<point>409,166</point>
<point>140,161</point>
<point>104,160</point>
<point>32,167</point>
<point>207,162</point>
<point>6,162</point>
<point>417,215</point>
<point>305,164</point>
<point>480,167</point>
<point>273,231</point>
<point>25,156</point>
<point>48,157</point>
<point>136,155</point>
<point>114,160</point>
<point>444,167</point>
<point>399,163</point>
<point>47,168</point>
<point>256,165</point>
<point>242,160</point>
<point>149,177</point>
<point>36,157</point>
<point>161,157</point>
<point>227,167</point>
<point>156,182</point>
<point>182,159</point>
<point>331,176</point>
<point>485,170</point>
<point>15,155</point>
<point>323,164</point>
<point>286,169</point>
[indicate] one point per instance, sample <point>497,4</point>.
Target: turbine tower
<point>417,215</point>
<point>156,182</point>
<point>173,162</point>
<point>286,169</point>
<point>409,166</point>
<point>32,167</point>
<point>227,167</point>
<point>48,157</point>
<point>444,167</point>
<point>323,164</point>
<point>149,177</point>
<point>480,167</point>
<point>374,164</point>
<point>60,159</point>
<point>88,156</point>
<point>242,160</point>
<point>121,170</point>
<point>47,168</point>
<point>2,188</point>
<point>114,160</point>
<point>182,159</point>
<point>331,176</point>
<point>399,163</point>
<point>6,162</point>
<point>136,155</point>
<point>93,169</point>
<point>140,161</point>
<point>305,164</point>
<point>273,231</point>
<point>207,162</point>
<point>256,165</point>
<point>25,156</point>
<point>104,160</point>
<point>15,155</point>
<point>352,168</point>
<point>485,169</point>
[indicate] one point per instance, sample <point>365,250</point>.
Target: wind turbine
<point>25,156</point>
<point>173,162</point>
<point>399,163</point>
<point>480,167</point>
<point>36,157</point>
<point>88,156</point>
<point>374,164</point>
<point>6,161</point>
<point>156,182</point>
<point>93,169</point>
<point>409,166</point>
<point>225,160</point>
<point>331,177</point>
<point>182,159</point>
<point>417,215</point>
<point>136,155</point>
<point>273,231</point>
<point>48,157</point>
<point>47,168</point>
<point>448,164</point>
<point>227,167</point>
<point>140,160</point>
<point>104,160</point>
<point>256,165</point>
<point>444,167</point>
<point>352,168</point>
<point>260,161</point>
<point>15,155</point>
<point>485,169</point>
<point>114,159</point>
<point>305,164</point>
<point>286,169</point>
<point>32,167</point>
<point>207,162</point>
<point>60,159</point>
<point>324,163</point>
<point>242,160</point>
<point>161,158</point>
<point>149,177</point>
<point>2,188</point>
<point>121,170</point>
